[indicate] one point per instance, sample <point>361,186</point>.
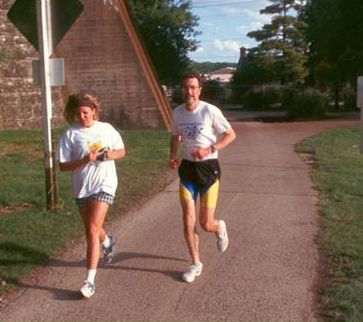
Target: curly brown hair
<point>77,100</point>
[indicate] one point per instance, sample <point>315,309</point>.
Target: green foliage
<point>281,49</point>
<point>338,175</point>
<point>335,32</point>
<point>212,91</point>
<point>307,104</point>
<point>262,99</point>
<point>255,72</point>
<point>167,29</point>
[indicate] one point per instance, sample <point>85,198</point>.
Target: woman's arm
<point>115,154</point>
<point>73,165</point>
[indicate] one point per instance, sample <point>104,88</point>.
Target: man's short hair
<point>193,75</point>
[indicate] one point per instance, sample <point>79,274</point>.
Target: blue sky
<point>224,25</point>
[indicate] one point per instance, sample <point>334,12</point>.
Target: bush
<point>350,101</point>
<point>263,99</point>
<point>305,104</point>
<point>212,91</point>
<point>252,100</point>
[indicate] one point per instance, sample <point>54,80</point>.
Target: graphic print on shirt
<point>88,145</point>
<point>190,130</point>
<point>95,147</point>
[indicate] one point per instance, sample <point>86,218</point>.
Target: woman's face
<point>85,115</point>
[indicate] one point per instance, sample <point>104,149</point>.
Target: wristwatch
<point>213,148</point>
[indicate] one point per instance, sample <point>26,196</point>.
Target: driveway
<point>269,272</point>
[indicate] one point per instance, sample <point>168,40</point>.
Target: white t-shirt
<point>77,142</point>
<point>199,128</point>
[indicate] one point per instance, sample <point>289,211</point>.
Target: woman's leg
<point>93,216</point>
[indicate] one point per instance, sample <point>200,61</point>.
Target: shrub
<point>305,104</point>
<point>265,98</point>
<point>252,100</point>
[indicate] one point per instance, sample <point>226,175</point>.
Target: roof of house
<point>226,70</point>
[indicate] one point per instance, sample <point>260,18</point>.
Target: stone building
<point>103,56</point>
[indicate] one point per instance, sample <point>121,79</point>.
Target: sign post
<point>43,20</point>
<point>360,105</point>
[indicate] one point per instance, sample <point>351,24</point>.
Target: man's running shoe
<point>109,252</point>
<point>88,289</point>
<point>222,236</point>
<point>192,272</point>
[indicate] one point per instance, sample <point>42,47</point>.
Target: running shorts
<point>100,196</point>
<point>200,178</point>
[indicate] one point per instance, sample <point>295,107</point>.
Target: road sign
<point>360,92</point>
<point>23,15</point>
<point>56,72</point>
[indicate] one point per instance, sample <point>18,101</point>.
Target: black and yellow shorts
<point>200,178</point>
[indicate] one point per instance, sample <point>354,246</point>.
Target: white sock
<point>107,242</point>
<point>91,274</point>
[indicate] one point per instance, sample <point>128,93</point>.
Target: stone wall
<point>100,59</point>
<point>20,101</point>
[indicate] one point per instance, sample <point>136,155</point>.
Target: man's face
<point>191,91</point>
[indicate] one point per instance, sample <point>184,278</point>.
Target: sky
<point>224,25</point>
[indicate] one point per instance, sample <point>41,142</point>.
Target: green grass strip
<point>338,176</point>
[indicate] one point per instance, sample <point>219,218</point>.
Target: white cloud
<point>226,45</point>
<point>256,16</point>
<point>255,25</point>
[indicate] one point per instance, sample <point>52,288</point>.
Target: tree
<point>167,30</point>
<point>335,36</point>
<point>281,47</point>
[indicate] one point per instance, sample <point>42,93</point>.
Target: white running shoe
<point>109,252</point>
<point>222,236</point>
<point>192,272</point>
<point>88,289</point>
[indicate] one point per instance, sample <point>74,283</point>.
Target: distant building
<point>223,75</point>
<point>242,58</point>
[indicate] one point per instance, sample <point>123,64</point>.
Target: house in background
<point>222,75</point>
<point>216,84</point>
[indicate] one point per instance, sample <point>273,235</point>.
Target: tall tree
<point>335,36</point>
<point>281,47</point>
<point>168,31</point>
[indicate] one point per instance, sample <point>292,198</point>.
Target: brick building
<point>103,56</point>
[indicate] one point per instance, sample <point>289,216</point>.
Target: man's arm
<point>224,140</point>
<point>174,145</point>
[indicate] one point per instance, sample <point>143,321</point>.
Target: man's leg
<point>190,232</point>
<point>208,204</point>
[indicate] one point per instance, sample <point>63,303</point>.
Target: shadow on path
<point>27,255</point>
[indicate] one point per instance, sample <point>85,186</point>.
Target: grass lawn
<point>338,175</point>
<point>29,234</point>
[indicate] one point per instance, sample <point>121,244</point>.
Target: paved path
<point>269,273</point>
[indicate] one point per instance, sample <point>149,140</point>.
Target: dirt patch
<point>13,208</point>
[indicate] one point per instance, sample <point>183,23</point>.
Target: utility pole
<point>44,38</point>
